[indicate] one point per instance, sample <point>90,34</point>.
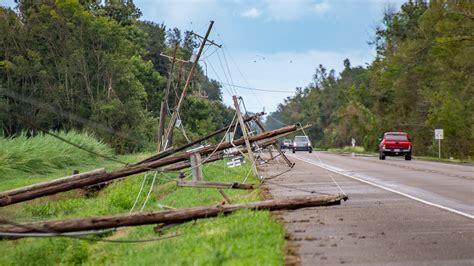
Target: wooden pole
<point>290,164</point>
<point>168,217</point>
<point>259,124</point>
<point>52,182</point>
<point>161,126</point>
<point>7,199</point>
<point>226,198</point>
<point>246,137</point>
<point>164,108</point>
<point>196,168</point>
<point>197,141</point>
<point>169,131</point>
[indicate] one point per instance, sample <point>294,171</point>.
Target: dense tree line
<point>421,79</point>
<point>93,65</point>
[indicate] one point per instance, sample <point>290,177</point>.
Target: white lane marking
<point>341,172</point>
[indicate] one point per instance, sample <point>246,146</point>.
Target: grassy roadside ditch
<point>245,237</point>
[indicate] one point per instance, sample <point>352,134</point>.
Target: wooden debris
<point>227,199</point>
<point>168,217</point>
<point>221,185</point>
<point>7,199</point>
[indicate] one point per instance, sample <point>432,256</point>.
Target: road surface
<point>398,213</point>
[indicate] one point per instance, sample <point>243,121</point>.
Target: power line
<point>219,79</point>
<point>243,77</point>
<point>255,89</point>
<point>225,75</point>
<point>228,70</point>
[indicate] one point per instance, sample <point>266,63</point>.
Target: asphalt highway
<point>398,213</point>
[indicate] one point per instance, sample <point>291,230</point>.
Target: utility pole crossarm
<point>209,41</point>
<point>176,59</point>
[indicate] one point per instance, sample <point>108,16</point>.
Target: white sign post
<point>439,135</point>
<point>353,142</point>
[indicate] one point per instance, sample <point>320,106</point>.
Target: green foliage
<point>41,154</point>
<point>91,64</point>
<point>421,79</point>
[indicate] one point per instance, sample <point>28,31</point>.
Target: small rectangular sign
<point>439,134</point>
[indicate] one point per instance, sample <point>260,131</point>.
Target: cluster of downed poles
<point>172,159</point>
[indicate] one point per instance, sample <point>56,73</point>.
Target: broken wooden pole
<point>187,164</point>
<point>7,199</point>
<point>209,184</point>
<point>168,217</point>
<point>226,198</point>
<point>195,142</point>
<point>57,181</point>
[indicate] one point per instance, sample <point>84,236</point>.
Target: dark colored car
<point>286,144</point>
<point>302,143</point>
<point>395,144</point>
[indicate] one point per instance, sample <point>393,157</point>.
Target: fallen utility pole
<point>7,199</point>
<point>187,164</point>
<point>168,217</point>
<point>197,141</point>
<point>208,184</point>
<point>52,182</point>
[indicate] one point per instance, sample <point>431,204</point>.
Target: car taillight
<point>383,147</point>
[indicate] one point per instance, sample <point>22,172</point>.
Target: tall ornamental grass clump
<point>42,154</point>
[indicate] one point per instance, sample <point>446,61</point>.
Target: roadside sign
<point>439,134</point>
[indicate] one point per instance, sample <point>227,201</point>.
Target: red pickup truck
<point>395,144</point>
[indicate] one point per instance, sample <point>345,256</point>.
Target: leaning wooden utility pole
<point>172,123</point>
<point>243,127</point>
<point>164,107</point>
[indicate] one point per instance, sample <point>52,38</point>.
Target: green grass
<point>357,149</point>
<point>43,154</point>
<point>445,160</point>
<point>242,238</point>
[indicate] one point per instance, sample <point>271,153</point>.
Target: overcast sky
<point>273,44</point>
